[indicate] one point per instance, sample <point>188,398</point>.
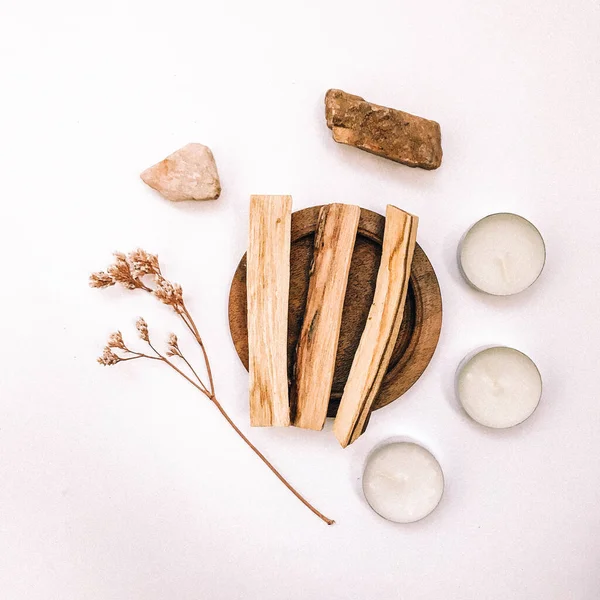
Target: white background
<point>124,483</point>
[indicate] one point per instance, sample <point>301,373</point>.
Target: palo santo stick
<point>317,345</point>
<point>383,325</point>
<point>268,283</point>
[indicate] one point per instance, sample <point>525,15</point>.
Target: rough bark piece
<point>188,174</point>
<point>394,134</point>
<point>317,346</point>
<point>268,287</point>
<point>383,325</point>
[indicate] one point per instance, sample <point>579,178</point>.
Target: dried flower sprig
<point>140,270</point>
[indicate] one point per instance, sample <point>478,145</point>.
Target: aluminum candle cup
<point>499,387</point>
<point>502,254</point>
<point>402,482</point>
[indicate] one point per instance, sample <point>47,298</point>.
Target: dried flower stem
<point>129,271</point>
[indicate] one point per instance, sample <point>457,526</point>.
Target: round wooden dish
<point>420,328</point>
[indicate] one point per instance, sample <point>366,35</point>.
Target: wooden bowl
<point>421,324</point>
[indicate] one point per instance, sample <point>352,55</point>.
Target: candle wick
<point>496,387</point>
<point>390,477</point>
<point>502,260</point>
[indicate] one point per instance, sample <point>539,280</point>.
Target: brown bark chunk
<point>394,134</point>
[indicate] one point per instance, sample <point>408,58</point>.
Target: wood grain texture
<point>317,347</point>
<point>382,328</point>
<point>420,329</point>
<point>268,292</point>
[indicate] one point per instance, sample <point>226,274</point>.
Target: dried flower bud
<point>173,346</point>
<point>120,271</point>
<point>115,340</point>
<point>169,293</point>
<point>101,280</point>
<point>108,358</point>
<point>142,328</point>
<point>143,263</point>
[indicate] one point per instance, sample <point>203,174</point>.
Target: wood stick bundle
<point>383,325</point>
<point>268,279</point>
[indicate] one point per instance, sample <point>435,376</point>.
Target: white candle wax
<point>403,482</point>
<point>499,387</point>
<point>502,254</point>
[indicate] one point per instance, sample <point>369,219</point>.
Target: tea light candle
<point>502,254</point>
<point>499,387</point>
<point>403,482</point>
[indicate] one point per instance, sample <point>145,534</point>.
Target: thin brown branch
<point>202,347</point>
<point>142,355</point>
<point>143,286</point>
<point>128,271</point>
<point>260,455</point>
<point>186,377</point>
<point>273,469</point>
<point>253,447</point>
<point>187,362</point>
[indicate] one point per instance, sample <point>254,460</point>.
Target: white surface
<point>499,387</point>
<point>402,482</point>
<point>122,483</point>
<point>502,254</point>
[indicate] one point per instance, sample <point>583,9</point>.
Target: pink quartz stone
<point>190,173</point>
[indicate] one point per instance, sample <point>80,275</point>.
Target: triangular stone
<point>190,173</point>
